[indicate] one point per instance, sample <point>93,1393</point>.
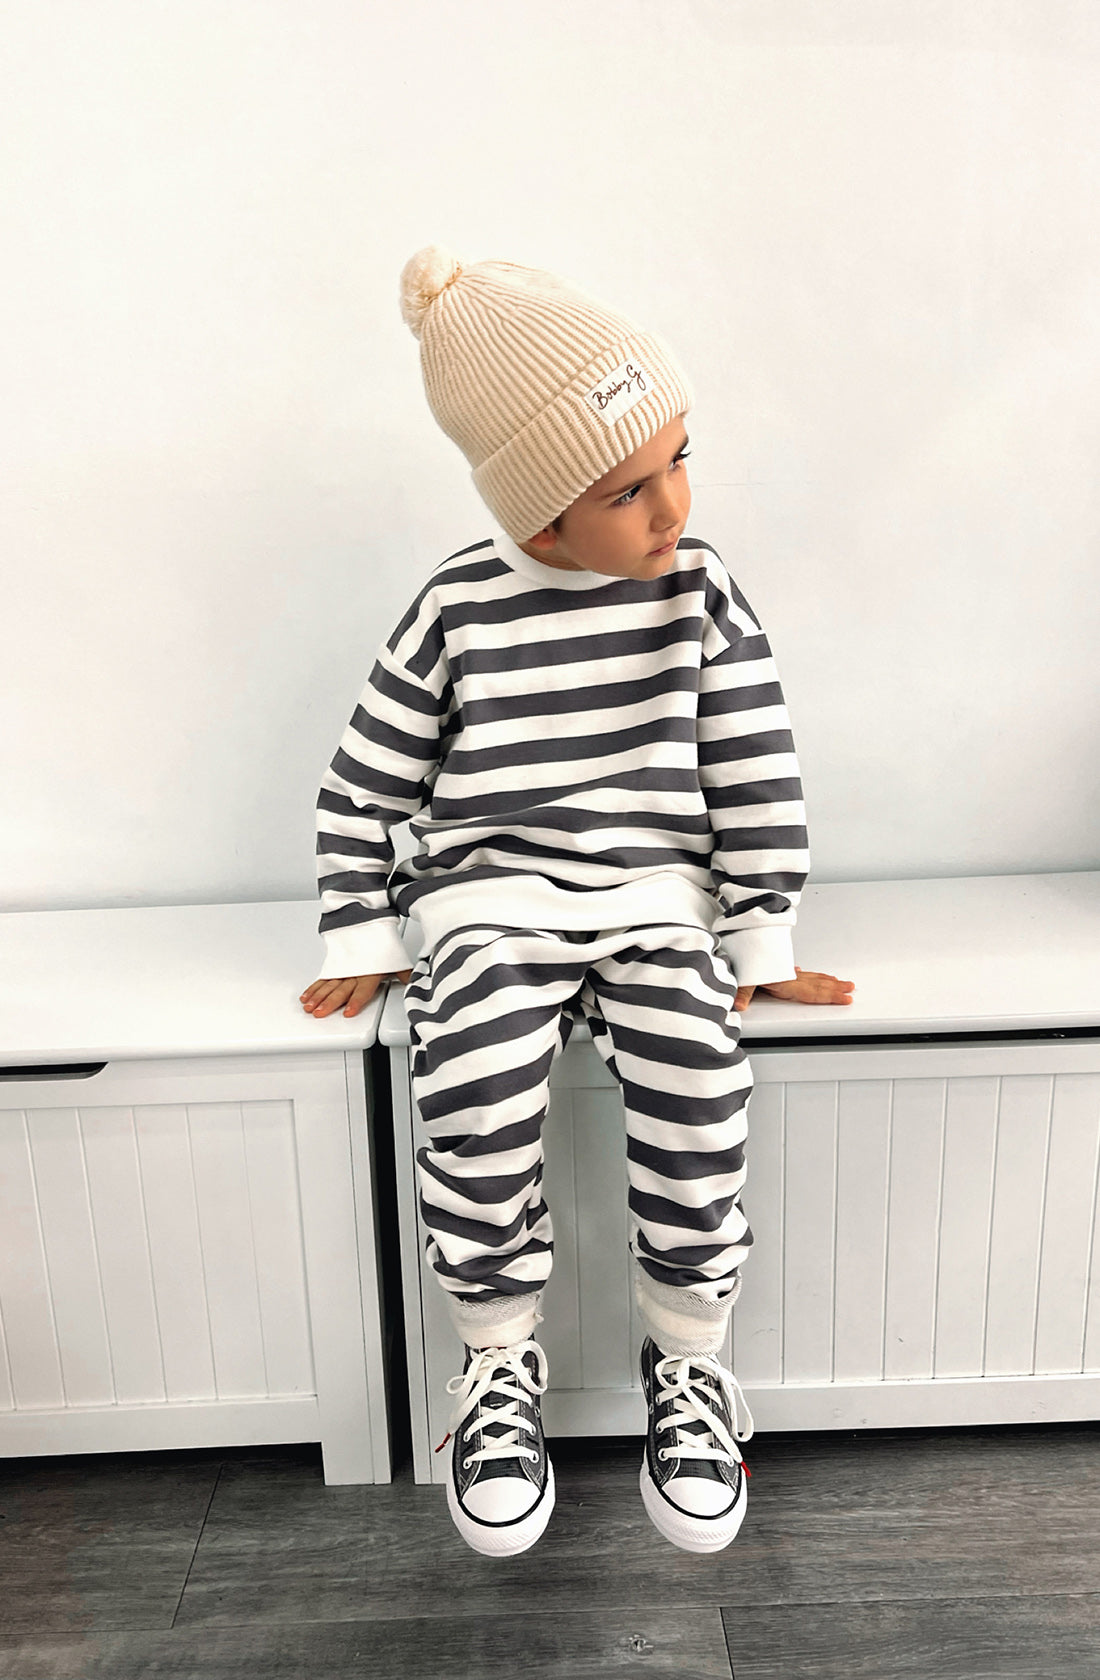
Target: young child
<point>582,717</point>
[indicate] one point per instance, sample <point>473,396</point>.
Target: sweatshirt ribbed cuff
<point>759,955</point>
<point>368,948</point>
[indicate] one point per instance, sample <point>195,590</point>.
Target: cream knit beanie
<point>543,389</point>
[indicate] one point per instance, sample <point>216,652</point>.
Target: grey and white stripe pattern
<point>490,1010</point>
<point>598,733</point>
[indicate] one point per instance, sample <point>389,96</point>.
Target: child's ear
<point>545,539</point>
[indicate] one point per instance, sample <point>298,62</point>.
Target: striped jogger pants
<point>489,1011</point>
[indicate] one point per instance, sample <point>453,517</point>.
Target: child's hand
<point>355,991</point>
<point>808,988</point>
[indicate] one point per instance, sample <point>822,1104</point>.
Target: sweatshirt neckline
<point>550,577</point>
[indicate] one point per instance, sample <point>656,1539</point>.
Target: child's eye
<point>628,495</point>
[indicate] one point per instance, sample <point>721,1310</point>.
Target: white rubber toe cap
<point>699,1496</point>
<point>500,1499</point>
<point>514,1534</point>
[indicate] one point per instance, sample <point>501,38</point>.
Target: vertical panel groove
<point>252,1246</point>
<point>148,1249</point>
<point>202,1251</point>
<point>836,1217</point>
<point>886,1228</point>
<point>939,1224</point>
<point>989,1229</point>
<point>94,1238</point>
<point>8,1375</point>
<point>783,1233</point>
<point>1042,1228</point>
<point>578,1319</point>
<point>1091,1254</point>
<point>296,1177</point>
<point>45,1256</point>
<point>8,1372</point>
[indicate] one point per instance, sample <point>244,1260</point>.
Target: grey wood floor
<point>967,1555</point>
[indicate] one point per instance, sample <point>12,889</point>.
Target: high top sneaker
<point>501,1487</point>
<point>693,1479</point>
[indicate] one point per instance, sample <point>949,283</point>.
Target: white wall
<point>870,228</point>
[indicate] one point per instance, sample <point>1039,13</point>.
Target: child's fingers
<point>362,992</point>
<point>811,987</point>
<point>326,995</point>
<point>367,985</point>
<point>355,991</point>
<point>316,994</point>
<point>823,988</point>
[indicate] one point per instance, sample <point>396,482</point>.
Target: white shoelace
<point>483,1376</point>
<point>695,1403</point>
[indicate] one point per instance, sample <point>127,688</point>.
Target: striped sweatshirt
<point>575,752</point>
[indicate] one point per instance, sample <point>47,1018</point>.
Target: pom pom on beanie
<point>423,277</point>
<point>543,388</point>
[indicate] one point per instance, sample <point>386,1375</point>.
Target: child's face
<point>628,523</point>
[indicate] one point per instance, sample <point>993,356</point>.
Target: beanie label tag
<point>619,391</point>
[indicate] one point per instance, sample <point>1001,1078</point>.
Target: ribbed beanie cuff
<point>566,447</point>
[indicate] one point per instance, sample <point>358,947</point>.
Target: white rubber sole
<point>514,1537</point>
<point>691,1534</point>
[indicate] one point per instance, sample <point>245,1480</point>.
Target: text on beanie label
<point>619,391</point>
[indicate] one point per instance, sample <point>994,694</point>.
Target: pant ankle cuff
<point>500,1322</point>
<point>684,1321</point>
